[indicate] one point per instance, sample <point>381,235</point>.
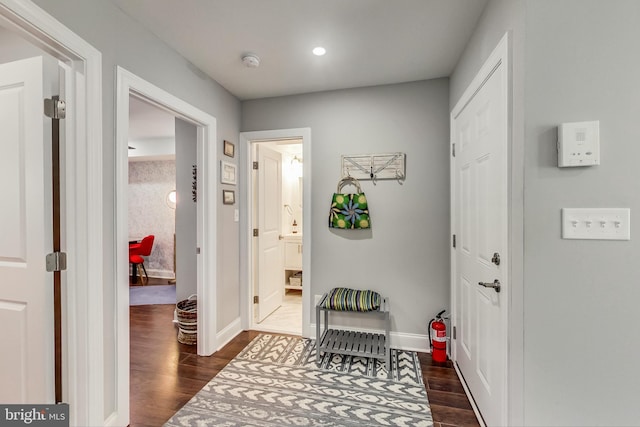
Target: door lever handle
<point>495,285</point>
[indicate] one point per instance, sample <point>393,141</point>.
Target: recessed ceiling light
<point>319,51</point>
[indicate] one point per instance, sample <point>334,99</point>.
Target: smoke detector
<point>251,60</point>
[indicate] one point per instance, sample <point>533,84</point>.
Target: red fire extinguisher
<point>438,338</point>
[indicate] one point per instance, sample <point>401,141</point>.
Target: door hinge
<point>256,299</point>
<point>255,232</point>
<point>56,261</point>
<point>455,332</point>
<point>454,240</point>
<point>255,165</point>
<point>55,108</point>
<point>197,251</point>
<point>453,149</point>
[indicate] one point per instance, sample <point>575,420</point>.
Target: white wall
<point>404,255</point>
<point>291,195</point>
<point>123,42</point>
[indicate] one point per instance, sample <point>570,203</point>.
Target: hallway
<point>166,374</point>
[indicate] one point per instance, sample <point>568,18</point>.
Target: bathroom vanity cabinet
<point>292,260</point>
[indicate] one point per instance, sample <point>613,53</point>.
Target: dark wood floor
<point>166,374</point>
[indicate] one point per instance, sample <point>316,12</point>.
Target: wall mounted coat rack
<point>375,166</point>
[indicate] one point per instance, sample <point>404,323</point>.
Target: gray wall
<point>186,212</point>
<point>228,250</point>
<point>405,254</point>
<point>578,298</point>
<point>123,42</point>
<point>583,63</point>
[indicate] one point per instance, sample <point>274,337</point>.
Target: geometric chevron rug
<point>296,351</point>
<point>285,391</point>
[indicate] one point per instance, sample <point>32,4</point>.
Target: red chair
<point>137,251</point>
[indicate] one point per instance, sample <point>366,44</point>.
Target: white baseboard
<point>161,274</point>
<point>476,411</point>
<point>228,333</point>
<point>399,340</point>
<point>410,342</point>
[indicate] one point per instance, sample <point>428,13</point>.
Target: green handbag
<point>349,211</point>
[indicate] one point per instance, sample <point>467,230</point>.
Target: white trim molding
<point>229,333</point>
<point>82,233</point>
<point>128,84</point>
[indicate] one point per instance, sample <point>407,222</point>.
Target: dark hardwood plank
<point>439,384</point>
<point>453,400</point>
<point>165,374</point>
<point>453,416</point>
<point>449,404</point>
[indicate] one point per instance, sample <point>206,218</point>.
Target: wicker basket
<point>187,314</point>
<point>187,338</point>
<point>296,279</point>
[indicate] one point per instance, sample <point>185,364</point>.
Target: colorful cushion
<point>345,299</point>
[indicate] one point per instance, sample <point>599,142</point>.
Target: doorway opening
<point>202,128</point>
<point>31,222</point>
<point>81,214</point>
<point>152,201</point>
<point>276,271</point>
<point>277,188</point>
<point>480,263</point>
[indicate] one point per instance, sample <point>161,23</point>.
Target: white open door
<point>480,223</point>
<point>26,288</point>
<point>270,271</point>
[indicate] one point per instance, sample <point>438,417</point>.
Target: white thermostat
<point>579,144</point>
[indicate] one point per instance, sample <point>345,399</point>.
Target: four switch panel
<point>596,223</point>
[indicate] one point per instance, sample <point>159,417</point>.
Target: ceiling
<point>368,42</point>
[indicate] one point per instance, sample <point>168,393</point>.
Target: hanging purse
<point>349,211</point>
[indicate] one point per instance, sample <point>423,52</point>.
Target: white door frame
<point>246,235</point>
<point>514,385</point>
<point>127,84</point>
<point>81,207</point>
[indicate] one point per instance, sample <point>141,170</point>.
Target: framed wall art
<point>228,173</point>
<point>229,149</point>
<point>228,197</point>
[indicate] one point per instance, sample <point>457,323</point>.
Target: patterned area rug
<point>294,351</point>
<point>272,383</point>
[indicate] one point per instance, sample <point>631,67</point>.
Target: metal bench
<point>353,343</point>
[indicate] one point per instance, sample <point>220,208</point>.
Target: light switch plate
<point>596,223</point>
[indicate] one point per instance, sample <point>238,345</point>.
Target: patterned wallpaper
<point>149,184</point>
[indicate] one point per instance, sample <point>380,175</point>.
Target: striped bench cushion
<point>345,299</point>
